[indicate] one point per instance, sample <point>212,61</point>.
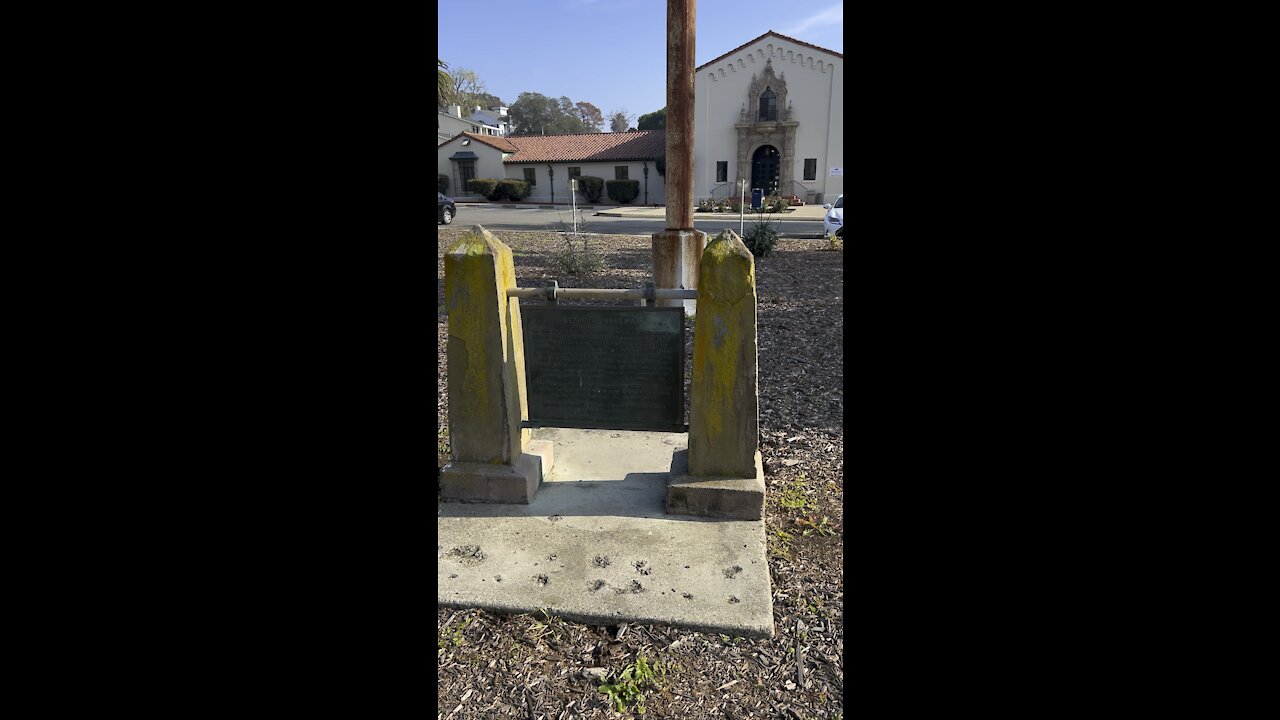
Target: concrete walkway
<point>597,546</point>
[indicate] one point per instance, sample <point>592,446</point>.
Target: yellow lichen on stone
<point>733,269</point>
<point>722,392</point>
<point>486,398</point>
<point>476,350</point>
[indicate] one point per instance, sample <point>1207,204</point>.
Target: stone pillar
<point>678,249</point>
<point>721,474</point>
<point>493,459</point>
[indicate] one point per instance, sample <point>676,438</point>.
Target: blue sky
<point>611,53</point>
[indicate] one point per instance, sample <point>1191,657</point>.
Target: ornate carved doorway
<point>764,169</point>
<point>766,124</point>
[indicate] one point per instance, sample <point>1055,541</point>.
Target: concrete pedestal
<point>499,483</point>
<point>677,255</point>
<point>717,497</point>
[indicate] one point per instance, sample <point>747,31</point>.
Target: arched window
<point>768,105</point>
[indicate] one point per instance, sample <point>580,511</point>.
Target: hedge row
<point>623,191</point>
<point>499,189</point>
<point>591,187</point>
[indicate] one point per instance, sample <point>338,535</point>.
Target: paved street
<point>507,218</point>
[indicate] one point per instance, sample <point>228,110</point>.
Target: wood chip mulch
<point>539,668</point>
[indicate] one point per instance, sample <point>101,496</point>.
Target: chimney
<point>455,110</point>
<point>476,110</point>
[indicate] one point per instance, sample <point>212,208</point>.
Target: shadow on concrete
<point>637,495</point>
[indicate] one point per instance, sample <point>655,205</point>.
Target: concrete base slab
<point>597,546</point>
<point>486,483</point>
<point>716,497</point>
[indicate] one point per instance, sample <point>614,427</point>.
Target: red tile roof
<point>592,147</point>
<point>777,35</point>
<point>640,145</point>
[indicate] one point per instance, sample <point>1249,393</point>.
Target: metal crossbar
<point>554,292</point>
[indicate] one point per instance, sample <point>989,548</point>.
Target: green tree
<point>536,114</point>
<point>656,120</point>
<point>486,101</point>
<point>444,83</point>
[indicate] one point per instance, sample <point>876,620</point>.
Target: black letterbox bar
<point>603,294</point>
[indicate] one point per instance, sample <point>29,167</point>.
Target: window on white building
<point>768,105</point>
<point>530,177</point>
<point>811,168</point>
<point>722,171</point>
<point>620,172</point>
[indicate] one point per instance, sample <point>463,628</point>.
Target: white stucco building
<point>498,117</point>
<point>452,122</point>
<point>547,162</point>
<point>771,112</point>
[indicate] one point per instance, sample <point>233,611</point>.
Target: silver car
<point>833,223</point>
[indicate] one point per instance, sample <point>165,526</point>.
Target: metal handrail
<point>799,189</point>
<point>553,292</point>
<point>728,189</point>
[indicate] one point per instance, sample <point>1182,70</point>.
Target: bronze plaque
<point>612,368</point>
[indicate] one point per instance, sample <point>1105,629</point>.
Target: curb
<point>714,216</point>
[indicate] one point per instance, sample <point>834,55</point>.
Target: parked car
<point>833,223</point>
<point>447,209</point>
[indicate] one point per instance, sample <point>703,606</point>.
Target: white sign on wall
<point>835,171</point>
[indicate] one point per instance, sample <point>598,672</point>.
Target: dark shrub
<point>624,191</point>
<point>511,189</point>
<point>591,187</point>
<point>482,186</point>
<point>761,238</point>
<point>443,183</point>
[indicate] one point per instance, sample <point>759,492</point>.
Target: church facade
<point>770,112</point>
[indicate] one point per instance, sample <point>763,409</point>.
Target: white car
<point>833,223</point>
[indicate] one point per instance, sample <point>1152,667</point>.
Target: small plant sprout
<point>631,683</point>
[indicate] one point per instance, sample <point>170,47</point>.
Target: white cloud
<point>832,17</point>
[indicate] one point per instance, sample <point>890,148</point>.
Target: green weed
<point>632,681</point>
<point>779,544</point>
<point>793,496</point>
<point>816,527</point>
<point>452,637</point>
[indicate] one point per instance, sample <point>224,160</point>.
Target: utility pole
<point>677,251</point>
